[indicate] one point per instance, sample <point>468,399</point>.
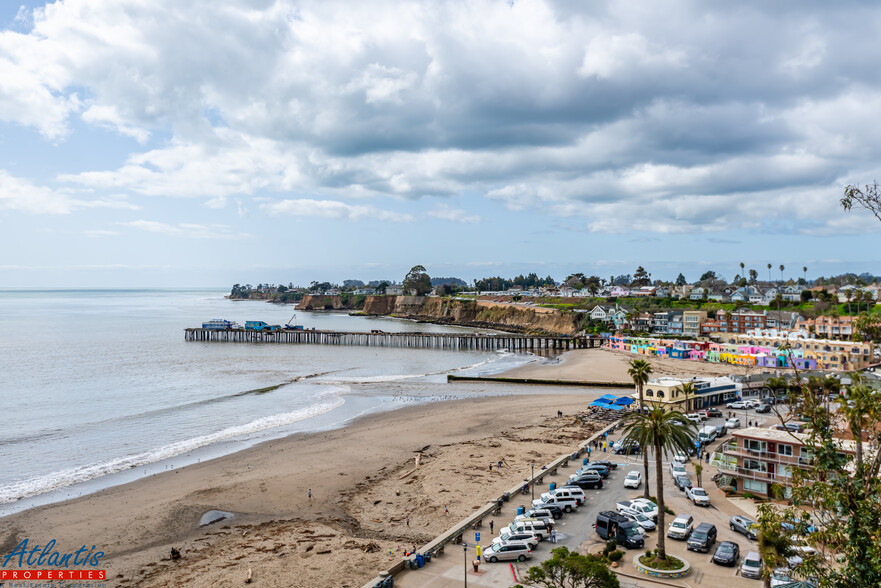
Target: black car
<point>555,510</point>
<point>629,449</point>
<point>702,538</point>
<point>586,481</point>
<point>609,464</point>
<point>727,554</point>
<point>763,408</point>
<point>714,412</point>
<point>682,482</point>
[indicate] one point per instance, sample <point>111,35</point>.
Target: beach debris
<point>175,554</point>
<point>323,551</point>
<point>310,547</point>
<point>248,579</point>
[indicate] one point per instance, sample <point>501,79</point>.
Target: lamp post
<point>533,480</point>
<point>465,551</point>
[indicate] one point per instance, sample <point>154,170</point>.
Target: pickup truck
<point>637,507</point>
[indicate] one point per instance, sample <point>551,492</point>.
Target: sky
<point>159,143</point>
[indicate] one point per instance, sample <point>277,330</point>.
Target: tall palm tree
<point>782,267</point>
<point>640,370</point>
<point>769,273</point>
<point>742,267</point>
<point>805,270</point>
<point>687,389</point>
<point>665,432</point>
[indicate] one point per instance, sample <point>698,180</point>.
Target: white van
<point>706,435</point>
<point>567,492</point>
<point>537,528</point>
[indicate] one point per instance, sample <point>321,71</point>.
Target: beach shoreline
<point>357,499</point>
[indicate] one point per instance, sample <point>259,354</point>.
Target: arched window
<point>660,393</point>
<point>649,393</point>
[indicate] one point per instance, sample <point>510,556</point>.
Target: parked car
<point>677,469</point>
<point>781,577</point>
<point>702,538</point>
<point>586,481</point>
<point>681,457</point>
<point>763,408</point>
<point>683,483</point>
<point>507,552</point>
<point>791,427</point>
<point>540,513</point>
<point>554,509</point>
<point>598,468</point>
<point>695,418</point>
<point>547,520</point>
<point>626,449</point>
<point>681,527</point>
<point>647,507</point>
<point>714,412</point>
<point>613,525</point>
<point>721,431</point>
<point>737,404</point>
<point>633,479</point>
<point>640,519</point>
<point>751,566</point>
<point>732,423</point>
<point>609,464</point>
<point>638,507</point>
<point>537,528</point>
<point>567,503</point>
<point>744,525</point>
<point>571,492</point>
<point>727,554</point>
<point>698,496</point>
<point>528,539</point>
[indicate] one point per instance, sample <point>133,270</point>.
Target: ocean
<point>100,388</point>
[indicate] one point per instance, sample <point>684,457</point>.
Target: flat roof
<point>777,435</point>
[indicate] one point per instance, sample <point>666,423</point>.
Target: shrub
<point>616,555</point>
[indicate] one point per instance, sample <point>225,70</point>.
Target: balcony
<point>758,475</point>
<point>768,457</point>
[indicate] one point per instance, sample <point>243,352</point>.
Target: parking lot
<point>576,530</point>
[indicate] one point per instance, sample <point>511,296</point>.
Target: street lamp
<point>465,551</point>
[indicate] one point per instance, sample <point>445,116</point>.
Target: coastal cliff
<point>473,313</point>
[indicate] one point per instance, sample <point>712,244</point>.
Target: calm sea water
<point>99,387</point>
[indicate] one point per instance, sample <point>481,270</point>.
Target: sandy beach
<point>354,525</point>
<point>610,365</point>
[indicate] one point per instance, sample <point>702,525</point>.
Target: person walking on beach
<point>310,495</point>
<point>446,510</point>
<point>408,521</point>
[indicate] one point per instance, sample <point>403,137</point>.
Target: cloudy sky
<point>163,143</point>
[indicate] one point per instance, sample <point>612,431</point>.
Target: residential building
<point>756,458</point>
<point>830,327</point>
<point>659,323</point>
<point>691,322</point>
<point>619,291</point>
<point>734,322</point>
<point>824,354</point>
<point>699,293</point>
<point>644,291</point>
<point>667,393</point>
<point>602,312</point>
<point>675,325</point>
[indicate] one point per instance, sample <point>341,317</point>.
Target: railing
<point>769,457</point>
<point>755,474</point>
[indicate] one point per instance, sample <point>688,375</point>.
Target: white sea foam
<point>68,477</point>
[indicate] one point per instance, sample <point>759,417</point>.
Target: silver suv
<point>681,527</point>
<point>507,552</point>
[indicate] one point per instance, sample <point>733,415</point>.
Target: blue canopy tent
<point>624,401</point>
<point>606,404</point>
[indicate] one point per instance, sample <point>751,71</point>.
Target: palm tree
<point>698,469</point>
<point>769,273</point>
<point>687,389</point>
<point>805,270</point>
<point>742,267</point>
<point>640,370</point>
<point>665,432</point>
<point>781,273</point>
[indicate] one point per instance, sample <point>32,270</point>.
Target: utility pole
<point>465,551</point>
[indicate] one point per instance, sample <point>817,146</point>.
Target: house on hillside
<point>619,292</point>
<point>698,293</point>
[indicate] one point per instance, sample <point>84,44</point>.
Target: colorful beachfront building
<point>806,353</point>
<point>735,353</point>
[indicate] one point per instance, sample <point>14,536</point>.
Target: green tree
<point>842,489</point>
<point>753,276</point>
<point>680,280</point>
<point>570,569</point>
<point>641,277</point>
<point>639,371</point>
<point>775,544</point>
<point>698,470</point>
<point>869,326</point>
<point>769,273</point>
<point>687,389</point>
<point>708,275</point>
<point>667,433</point>
<point>417,281</point>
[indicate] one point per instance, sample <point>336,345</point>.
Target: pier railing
<point>453,341</point>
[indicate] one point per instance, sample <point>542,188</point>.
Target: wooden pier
<point>453,341</point>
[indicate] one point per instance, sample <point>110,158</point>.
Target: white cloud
<point>188,230</point>
<point>95,233</point>
<point>22,195</point>
<point>454,215</point>
<point>330,209</point>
